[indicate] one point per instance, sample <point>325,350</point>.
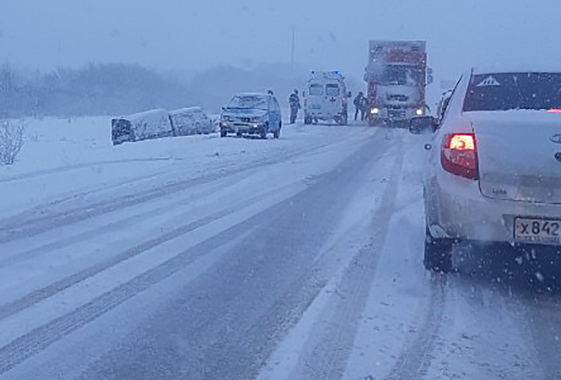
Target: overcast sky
<point>193,35</point>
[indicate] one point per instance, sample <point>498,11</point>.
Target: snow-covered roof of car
<point>146,114</point>
<point>505,69</point>
<point>185,110</point>
<point>252,94</point>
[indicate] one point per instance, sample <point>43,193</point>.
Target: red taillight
<point>554,110</point>
<point>459,155</point>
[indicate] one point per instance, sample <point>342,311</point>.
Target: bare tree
<point>12,138</point>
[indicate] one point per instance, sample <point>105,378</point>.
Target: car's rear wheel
<point>239,134</point>
<point>276,134</point>
<point>223,134</point>
<point>307,120</point>
<point>438,253</point>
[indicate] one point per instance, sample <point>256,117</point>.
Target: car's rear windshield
<point>332,90</point>
<point>121,124</point>
<point>316,89</point>
<point>511,91</point>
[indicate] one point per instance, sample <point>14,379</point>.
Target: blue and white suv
<point>251,113</point>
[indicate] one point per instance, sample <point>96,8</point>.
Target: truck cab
<point>326,98</point>
<point>397,76</point>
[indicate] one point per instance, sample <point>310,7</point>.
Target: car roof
<point>258,94</point>
<point>183,110</point>
<point>140,115</point>
<point>510,69</point>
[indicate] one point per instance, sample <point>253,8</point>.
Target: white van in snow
<point>326,98</point>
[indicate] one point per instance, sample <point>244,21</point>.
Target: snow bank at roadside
<point>63,158</point>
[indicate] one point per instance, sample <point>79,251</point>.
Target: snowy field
<point>209,258</point>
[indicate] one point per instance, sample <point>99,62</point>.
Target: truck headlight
<point>375,111</point>
<point>419,112</point>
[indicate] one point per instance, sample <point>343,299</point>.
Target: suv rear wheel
<point>438,253</point>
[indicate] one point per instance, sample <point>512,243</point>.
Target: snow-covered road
<point>208,258</point>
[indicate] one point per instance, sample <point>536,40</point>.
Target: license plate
<point>396,114</point>
<point>537,230</point>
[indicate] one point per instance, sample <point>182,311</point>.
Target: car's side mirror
<point>423,125</point>
<point>430,79</point>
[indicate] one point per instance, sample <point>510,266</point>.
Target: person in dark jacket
<point>363,107</point>
<point>358,103</point>
<point>294,101</point>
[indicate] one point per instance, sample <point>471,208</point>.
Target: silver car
<point>494,166</point>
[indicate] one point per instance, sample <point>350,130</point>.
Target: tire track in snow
<point>42,294</point>
<point>284,264</point>
<point>416,357</point>
<point>84,165</point>
<point>16,228</point>
<point>44,336</point>
<point>329,355</point>
<point>110,227</point>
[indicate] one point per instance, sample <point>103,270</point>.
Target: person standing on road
<point>363,107</point>
<point>294,101</point>
<point>358,104</point>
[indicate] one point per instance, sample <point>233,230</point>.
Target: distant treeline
<point>121,89</point>
<point>96,89</point>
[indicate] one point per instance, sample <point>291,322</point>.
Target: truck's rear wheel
<point>308,120</point>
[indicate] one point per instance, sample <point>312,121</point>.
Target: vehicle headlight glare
<point>375,111</point>
<point>419,112</point>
